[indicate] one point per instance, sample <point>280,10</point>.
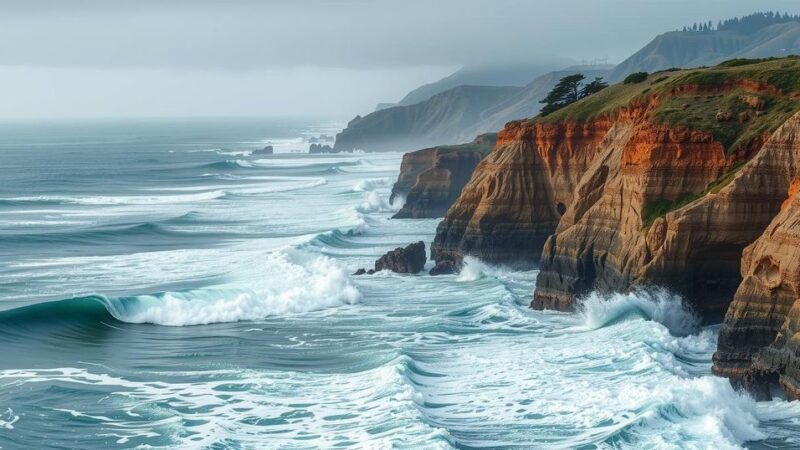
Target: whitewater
<point>162,286</point>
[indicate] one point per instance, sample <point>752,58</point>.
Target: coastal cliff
<point>687,180</point>
<point>517,194</point>
<point>431,179</point>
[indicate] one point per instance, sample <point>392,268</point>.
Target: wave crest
<point>655,304</point>
<point>292,288</point>
<point>374,202</point>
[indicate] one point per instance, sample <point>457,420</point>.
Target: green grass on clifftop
<point>482,144</point>
<point>730,117</point>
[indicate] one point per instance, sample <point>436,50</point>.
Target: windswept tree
<point>593,87</point>
<point>569,90</point>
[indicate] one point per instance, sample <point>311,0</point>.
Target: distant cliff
<point>664,182</point>
<point>431,179</point>
<point>440,120</point>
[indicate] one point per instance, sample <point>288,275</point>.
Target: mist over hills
<point>501,74</point>
<point>442,118</point>
<point>446,112</point>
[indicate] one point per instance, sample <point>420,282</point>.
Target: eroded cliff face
<point>518,193</point>
<point>613,238</point>
<point>759,342</point>
<point>432,179</point>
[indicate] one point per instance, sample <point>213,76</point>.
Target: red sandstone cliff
<point>518,193</point>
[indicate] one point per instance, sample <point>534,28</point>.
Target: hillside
<point>454,116</point>
<point>503,74</point>
<point>688,49</point>
<point>526,102</point>
<point>440,120</point>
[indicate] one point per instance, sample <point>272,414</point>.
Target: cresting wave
<point>296,284</point>
<point>654,304</point>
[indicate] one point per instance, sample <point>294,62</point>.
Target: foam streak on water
<point>200,296</point>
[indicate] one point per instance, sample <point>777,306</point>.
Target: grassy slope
<point>482,144</point>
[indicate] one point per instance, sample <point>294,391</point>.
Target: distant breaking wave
<point>163,199</point>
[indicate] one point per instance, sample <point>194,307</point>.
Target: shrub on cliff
<point>636,77</point>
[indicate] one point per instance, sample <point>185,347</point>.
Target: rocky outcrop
<point>268,150</point>
<point>518,193</point>
<point>410,259</point>
<point>431,179</point>
<point>759,342</point>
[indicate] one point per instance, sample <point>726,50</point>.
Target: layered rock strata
<point>759,342</point>
<point>609,240</point>
<point>518,193</point>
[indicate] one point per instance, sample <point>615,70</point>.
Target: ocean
<point>162,286</point>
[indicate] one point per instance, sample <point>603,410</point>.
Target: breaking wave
<point>658,305</point>
<point>291,285</point>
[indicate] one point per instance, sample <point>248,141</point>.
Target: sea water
<point>162,286</point>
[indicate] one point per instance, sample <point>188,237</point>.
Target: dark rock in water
<point>319,148</point>
<point>445,267</point>
<point>268,150</point>
<point>410,259</point>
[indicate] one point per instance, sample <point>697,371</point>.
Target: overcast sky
<point>335,58</point>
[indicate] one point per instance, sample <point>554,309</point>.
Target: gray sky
<point>336,58</point>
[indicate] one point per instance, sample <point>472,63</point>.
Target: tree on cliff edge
<point>569,90</point>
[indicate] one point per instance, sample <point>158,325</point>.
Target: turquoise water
<point>163,287</point>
